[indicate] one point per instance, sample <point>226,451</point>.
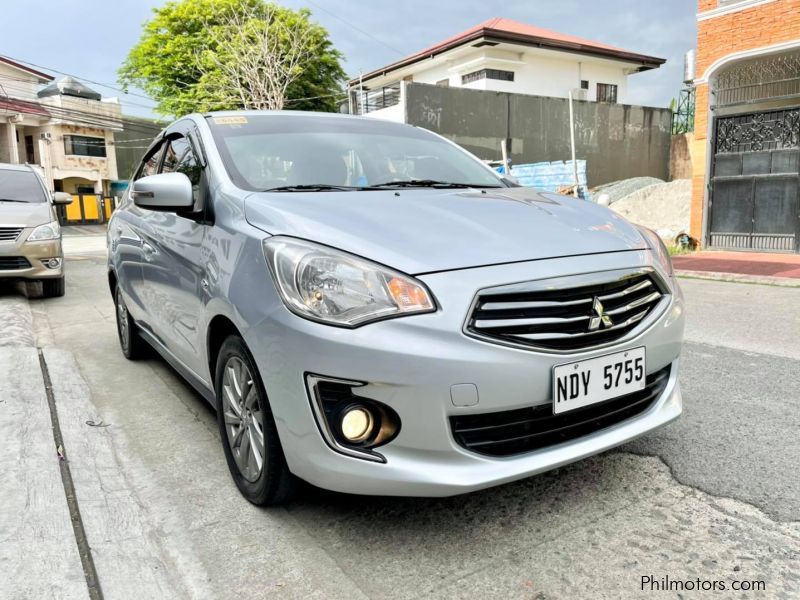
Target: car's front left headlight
<point>658,247</point>
<point>48,231</point>
<point>337,288</point>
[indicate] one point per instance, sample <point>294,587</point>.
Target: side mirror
<point>165,192</point>
<point>62,198</point>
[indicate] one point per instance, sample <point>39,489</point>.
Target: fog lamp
<point>356,424</point>
<point>51,263</point>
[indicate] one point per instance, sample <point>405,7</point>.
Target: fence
<point>87,209</point>
<point>617,141</point>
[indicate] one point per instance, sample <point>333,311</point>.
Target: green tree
<point>200,55</point>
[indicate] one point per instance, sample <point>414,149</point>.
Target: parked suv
<point>373,310</point>
<point>30,236</point>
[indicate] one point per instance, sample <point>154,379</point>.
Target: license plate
<point>590,381</point>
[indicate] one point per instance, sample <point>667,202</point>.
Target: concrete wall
<point>617,140</point>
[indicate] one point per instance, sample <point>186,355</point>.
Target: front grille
<point>14,263</point>
<point>526,429</point>
<point>565,318</point>
<point>9,234</point>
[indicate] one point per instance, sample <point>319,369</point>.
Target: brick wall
<point>754,27</point>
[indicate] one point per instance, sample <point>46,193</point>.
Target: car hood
<point>28,214</point>
<point>426,230</point>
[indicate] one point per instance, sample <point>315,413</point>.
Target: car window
<point>150,166</point>
<point>20,186</point>
<point>264,152</point>
<point>180,158</point>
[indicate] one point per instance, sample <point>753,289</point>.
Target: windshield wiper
<point>312,187</point>
<point>427,183</point>
<point>13,200</point>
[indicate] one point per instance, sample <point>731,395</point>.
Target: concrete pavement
<point>713,496</point>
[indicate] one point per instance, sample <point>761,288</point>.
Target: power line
<point>366,33</point>
<point>106,85</point>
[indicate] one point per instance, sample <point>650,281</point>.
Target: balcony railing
<point>367,101</point>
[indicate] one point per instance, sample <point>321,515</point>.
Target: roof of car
<point>13,167</point>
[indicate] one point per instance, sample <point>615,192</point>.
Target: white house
<point>65,128</point>
<point>505,56</point>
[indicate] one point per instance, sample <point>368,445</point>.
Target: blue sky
<point>90,38</point>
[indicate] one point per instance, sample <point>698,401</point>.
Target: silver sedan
<point>373,310</point>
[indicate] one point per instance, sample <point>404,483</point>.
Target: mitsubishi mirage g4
<point>373,310</point>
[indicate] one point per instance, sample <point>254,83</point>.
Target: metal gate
<point>755,182</point>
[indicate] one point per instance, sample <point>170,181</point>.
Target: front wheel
<point>249,436</point>
<point>131,343</point>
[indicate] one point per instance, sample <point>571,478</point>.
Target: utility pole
<point>572,144</point>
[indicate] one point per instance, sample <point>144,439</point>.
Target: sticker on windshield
<point>230,120</point>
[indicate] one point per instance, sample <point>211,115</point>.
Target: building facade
<point>65,128</point>
<point>746,148</point>
<point>502,55</point>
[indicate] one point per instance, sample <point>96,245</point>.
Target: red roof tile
<point>22,106</point>
<point>12,63</point>
<point>513,31</point>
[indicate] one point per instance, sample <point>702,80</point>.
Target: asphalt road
<point>715,496</point>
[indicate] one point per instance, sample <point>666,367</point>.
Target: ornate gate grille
<point>755,181</point>
<point>763,78</point>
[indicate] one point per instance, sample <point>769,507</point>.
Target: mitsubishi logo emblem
<point>600,320</point>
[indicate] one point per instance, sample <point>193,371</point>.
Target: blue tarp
<point>551,176</point>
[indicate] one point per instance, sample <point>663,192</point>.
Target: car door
<point>173,268</point>
<point>125,231</point>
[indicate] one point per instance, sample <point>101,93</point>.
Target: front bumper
<point>411,363</point>
<point>35,252</point>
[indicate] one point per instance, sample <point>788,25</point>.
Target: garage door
<point>755,182</point>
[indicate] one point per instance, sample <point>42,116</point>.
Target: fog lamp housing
<point>51,263</point>
<point>350,424</point>
<point>356,423</point>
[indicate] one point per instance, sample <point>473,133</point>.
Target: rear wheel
<point>53,288</point>
<point>249,436</point>
<point>131,343</point>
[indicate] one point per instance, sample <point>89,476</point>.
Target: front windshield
<point>263,152</point>
<point>20,186</point>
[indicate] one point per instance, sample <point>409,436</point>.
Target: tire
<point>131,343</point>
<point>245,417</point>
<point>53,288</point>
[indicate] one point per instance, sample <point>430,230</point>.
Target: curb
<point>738,278</point>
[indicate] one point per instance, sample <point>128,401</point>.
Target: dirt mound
<point>664,207</point>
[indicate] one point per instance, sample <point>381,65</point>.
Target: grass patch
<point>676,250</point>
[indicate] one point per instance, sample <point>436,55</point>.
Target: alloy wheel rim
<point>244,422</point>
<point>122,320</point>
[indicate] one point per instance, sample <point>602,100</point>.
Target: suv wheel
<point>133,346</point>
<point>53,288</point>
<point>249,436</point>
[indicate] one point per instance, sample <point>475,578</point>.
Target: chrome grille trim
<point>560,315</point>
<point>10,234</point>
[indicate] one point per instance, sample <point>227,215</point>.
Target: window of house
<point>584,84</point>
<point>82,145</point>
<point>606,92</point>
<point>443,83</point>
<point>487,74</point>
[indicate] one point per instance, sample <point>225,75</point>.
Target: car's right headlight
<point>337,288</point>
<point>658,247</point>
<point>48,231</point>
